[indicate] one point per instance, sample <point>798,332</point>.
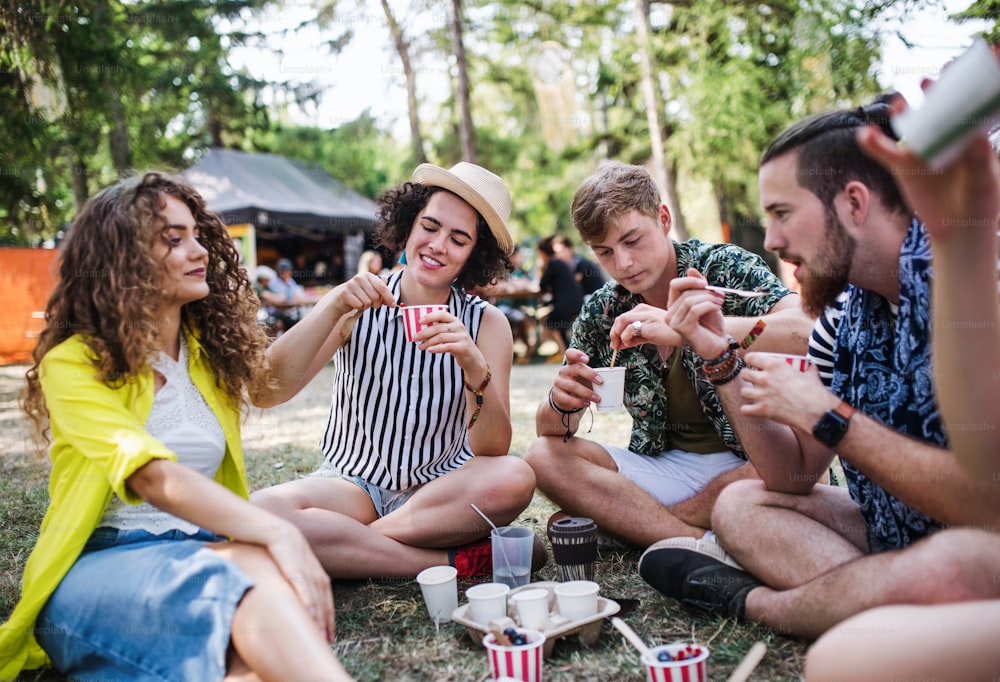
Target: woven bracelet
<point>478,392</point>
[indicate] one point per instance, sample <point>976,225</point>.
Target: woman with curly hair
<point>418,430</point>
<point>151,563</point>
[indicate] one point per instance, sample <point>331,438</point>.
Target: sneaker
<point>708,545</point>
<point>697,580</point>
<point>475,560</point>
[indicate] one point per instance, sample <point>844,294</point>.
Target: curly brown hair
<point>109,290</point>
<point>398,210</point>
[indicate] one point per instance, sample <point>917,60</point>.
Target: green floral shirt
<point>645,390</point>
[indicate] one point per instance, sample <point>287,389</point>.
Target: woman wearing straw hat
<point>418,429</point>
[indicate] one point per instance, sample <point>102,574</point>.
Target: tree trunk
<point>466,130</point>
<point>118,142</point>
<point>121,150</point>
<point>416,139</point>
<point>665,179</point>
<point>78,176</point>
<point>678,224</point>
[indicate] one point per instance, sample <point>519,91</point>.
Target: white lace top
<point>184,422</point>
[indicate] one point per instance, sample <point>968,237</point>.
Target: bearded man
<point>813,555</point>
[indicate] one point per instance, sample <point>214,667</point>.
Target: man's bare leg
<point>582,479</point>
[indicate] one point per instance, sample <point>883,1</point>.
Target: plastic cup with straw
<point>496,530</point>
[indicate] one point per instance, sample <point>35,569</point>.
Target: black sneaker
<point>697,580</point>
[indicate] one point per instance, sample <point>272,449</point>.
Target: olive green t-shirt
<point>687,426</point>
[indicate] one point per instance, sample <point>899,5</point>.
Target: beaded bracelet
<point>478,392</point>
<point>737,368</point>
<point>726,366</point>
<point>725,357</point>
<point>719,372</point>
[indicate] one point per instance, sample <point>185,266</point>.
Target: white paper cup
<point>966,98</point>
<point>577,599</point>
<point>413,316</point>
<point>693,669</point>
<point>519,662</point>
<point>532,607</point>
<point>487,601</point>
<point>799,362</point>
<point>440,588</point>
<point>512,555</point>
<point>612,391</point>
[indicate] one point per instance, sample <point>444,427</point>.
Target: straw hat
<point>483,190</point>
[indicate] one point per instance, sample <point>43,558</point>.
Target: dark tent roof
<point>277,193</point>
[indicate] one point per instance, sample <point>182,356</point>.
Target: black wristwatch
<point>832,426</point>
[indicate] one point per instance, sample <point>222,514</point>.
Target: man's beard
<point>827,277</point>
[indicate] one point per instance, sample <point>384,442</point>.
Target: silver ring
<point>637,328</point>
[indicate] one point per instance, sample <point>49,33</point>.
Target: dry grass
<point>382,629</point>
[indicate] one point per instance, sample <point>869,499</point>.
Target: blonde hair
<point>613,190</point>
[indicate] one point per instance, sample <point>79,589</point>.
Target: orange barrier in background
<point>27,277</point>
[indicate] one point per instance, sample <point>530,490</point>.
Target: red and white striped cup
<point>799,362</point>
<point>522,662</point>
<point>413,316</point>
<point>693,669</point>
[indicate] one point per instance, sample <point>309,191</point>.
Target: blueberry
<point>510,632</point>
<point>664,656</point>
<point>519,640</point>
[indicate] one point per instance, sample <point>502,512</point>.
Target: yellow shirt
<point>98,440</point>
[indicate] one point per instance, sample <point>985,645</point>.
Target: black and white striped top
<point>398,415</point>
<point>823,339</point>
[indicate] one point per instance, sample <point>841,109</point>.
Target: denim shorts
<point>137,606</point>
<point>385,500</point>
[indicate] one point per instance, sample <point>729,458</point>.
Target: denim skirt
<point>137,606</point>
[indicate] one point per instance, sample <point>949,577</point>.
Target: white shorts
<point>674,475</point>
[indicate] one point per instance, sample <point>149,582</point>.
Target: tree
<point>359,153</point>
<point>403,50</point>
<point>106,86</point>
<point>467,132</point>
<point>664,180</point>
<point>988,10</point>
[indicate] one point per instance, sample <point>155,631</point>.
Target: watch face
<point>830,429</point>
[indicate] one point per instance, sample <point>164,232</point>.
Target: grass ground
<point>383,631</point>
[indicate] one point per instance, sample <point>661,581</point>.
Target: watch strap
<point>844,409</point>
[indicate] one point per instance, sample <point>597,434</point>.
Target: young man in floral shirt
<point>682,451</point>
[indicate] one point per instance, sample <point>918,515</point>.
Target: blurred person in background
<point>588,274</point>
<point>563,295</point>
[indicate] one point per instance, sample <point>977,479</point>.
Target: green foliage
<point>100,87</point>
<point>983,9</point>
<point>358,153</point>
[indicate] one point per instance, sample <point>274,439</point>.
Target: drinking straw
<point>503,551</point>
<point>614,356</point>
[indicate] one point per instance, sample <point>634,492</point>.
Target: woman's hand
<point>444,333</point>
<point>302,570</point>
<point>362,291</point>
